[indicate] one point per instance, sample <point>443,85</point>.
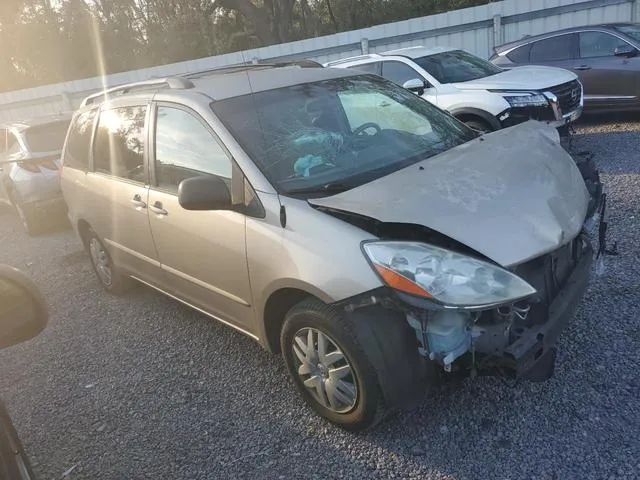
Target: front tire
<point>111,279</point>
<point>478,125</point>
<point>329,367</point>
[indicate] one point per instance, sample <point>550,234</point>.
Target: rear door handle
<point>158,209</point>
<point>137,202</point>
<point>583,67</point>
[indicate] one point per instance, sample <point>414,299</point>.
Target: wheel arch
<point>468,113</point>
<point>281,298</point>
<point>83,228</point>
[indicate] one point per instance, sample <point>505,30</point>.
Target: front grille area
<point>548,274</point>
<point>522,114</point>
<point>568,94</point>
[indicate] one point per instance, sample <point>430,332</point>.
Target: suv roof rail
<point>351,59</point>
<point>168,82</point>
<point>239,67</point>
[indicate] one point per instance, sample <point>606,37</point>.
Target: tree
<point>47,41</point>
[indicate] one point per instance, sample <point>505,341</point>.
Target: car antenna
<point>283,211</point>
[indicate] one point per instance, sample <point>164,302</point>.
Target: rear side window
<point>520,54</point>
<point>48,137</point>
<point>119,146</point>
<point>399,72</point>
<point>373,68</point>
<point>599,44</point>
<point>78,144</point>
<point>555,49</point>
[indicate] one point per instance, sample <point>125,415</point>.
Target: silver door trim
<point>204,285</point>
<point>610,97</point>
<point>229,324</point>
<point>138,255</point>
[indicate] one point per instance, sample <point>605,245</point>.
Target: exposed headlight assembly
<point>525,99</point>
<point>446,277</point>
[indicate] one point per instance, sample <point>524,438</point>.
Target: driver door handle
<point>158,209</point>
<point>583,67</point>
<point>137,202</point>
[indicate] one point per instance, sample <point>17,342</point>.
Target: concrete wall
<point>476,30</point>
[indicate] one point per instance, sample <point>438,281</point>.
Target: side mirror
<point>415,85</point>
<point>204,193</point>
<point>23,311</point>
<point>626,51</point>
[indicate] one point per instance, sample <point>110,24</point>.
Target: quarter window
<point>520,54</point>
<point>119,144</point>
<point>398,72</point>
<point>78,144</point>
<point>554,49</point>
<point>599,44</point>
<point>186,148</point>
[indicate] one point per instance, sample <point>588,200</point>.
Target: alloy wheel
<point>101,261</point>
<point>325,370</point>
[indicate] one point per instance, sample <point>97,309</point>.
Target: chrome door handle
<point>583,67</point>
<point>157,209</point>
<point>137,201</point>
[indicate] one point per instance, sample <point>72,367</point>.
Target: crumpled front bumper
<point>534,343</point>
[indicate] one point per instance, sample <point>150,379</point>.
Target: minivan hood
<point>521,78</point>
<point>511,195</point>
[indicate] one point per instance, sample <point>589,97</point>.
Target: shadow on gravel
<point>74,258</point>
<point>615,151</point>
<point>593,118</point>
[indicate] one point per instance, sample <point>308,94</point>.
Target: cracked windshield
<point>240,235</point>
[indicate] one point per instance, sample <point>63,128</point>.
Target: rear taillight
<point>31,166</point>
<point>48,164</point>
<point>36,164</point>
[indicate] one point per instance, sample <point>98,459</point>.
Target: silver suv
<point>374,240</point>
<point>29,176</point>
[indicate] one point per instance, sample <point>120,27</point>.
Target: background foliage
<point>50,41</point>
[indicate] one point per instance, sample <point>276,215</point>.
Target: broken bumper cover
<point>534,342</point>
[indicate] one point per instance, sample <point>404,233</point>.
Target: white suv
<point>475,91</point>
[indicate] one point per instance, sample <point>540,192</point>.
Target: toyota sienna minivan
<point>371,238</point>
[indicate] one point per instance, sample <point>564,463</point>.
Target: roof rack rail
<point>350,59</point>
<point>239,67</point>
<point>170,82</point>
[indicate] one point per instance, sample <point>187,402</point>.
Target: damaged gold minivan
<point>374,240</point>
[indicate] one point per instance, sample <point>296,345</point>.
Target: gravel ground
<point>141,387</point>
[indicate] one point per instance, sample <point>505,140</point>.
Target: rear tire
<point>28,218</point>
<point>111,279</point>
<point>26,214</point>
<point>367,375</point>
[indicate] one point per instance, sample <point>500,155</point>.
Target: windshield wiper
<point>331,187</point>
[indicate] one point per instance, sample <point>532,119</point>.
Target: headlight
<point>447,277</point>
<point>517,100</point>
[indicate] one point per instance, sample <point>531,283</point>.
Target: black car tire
<point>380,349</point>
<point>14,463</point>
<point>118,283</point>
<point>478,125</point>
<point>27,217</point>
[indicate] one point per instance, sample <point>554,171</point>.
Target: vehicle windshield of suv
<point>456,66</point>
<point>631,30</point>
<point>47,137</point>
<point>334,135</point>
